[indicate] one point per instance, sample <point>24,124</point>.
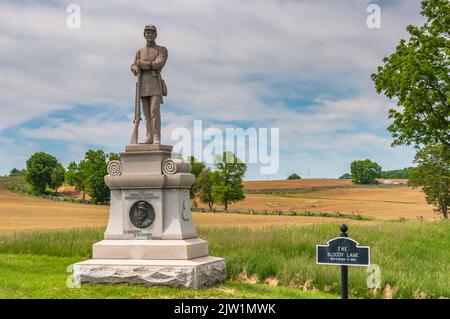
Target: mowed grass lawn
<point>32,276</point>
<point>413,256</point>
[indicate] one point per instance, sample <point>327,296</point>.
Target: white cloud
<point>99,131</point>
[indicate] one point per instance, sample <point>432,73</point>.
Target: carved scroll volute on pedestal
<point>114,168</point>
<point>173,166</point>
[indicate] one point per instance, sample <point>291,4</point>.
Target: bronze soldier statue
<point>151,87</point>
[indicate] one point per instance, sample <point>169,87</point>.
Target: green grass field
<point>34,276</point>
<point>413,256</point>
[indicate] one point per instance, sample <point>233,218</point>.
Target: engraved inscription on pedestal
<point>141,195</point>
<point>142,214</point>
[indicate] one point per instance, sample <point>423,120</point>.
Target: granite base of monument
<point>150,238</point>
<point>192,273</point>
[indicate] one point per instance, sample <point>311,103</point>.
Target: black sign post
<point>344,269</point>
<point>345,252</point>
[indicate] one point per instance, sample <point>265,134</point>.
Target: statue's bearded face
<point>150,35</point>
<point>141,215</point>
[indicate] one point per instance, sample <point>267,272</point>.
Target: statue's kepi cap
<point>150,27</point>
<point>142,205</point>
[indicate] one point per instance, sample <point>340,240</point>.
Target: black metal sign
<point>343,251</point>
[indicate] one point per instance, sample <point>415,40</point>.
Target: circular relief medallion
<point>142,214</point>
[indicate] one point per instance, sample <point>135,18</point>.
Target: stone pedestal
<point>150,237</point>
<point>193,273</point>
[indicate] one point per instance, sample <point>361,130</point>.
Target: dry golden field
<point>294,184</point>
<point>304,183</point>
<point>19,212</point>
<point>22,213</point>
<point>380,202</point>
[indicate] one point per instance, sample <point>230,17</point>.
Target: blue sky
<point>301,66</point>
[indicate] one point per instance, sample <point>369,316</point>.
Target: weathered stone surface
<point>151,249</point>
<point>211,274</point>
<point>172,166</point>
<point>173,218</point>
<point>146,162</point>
<point>194,273</point>
<point>148,148</point>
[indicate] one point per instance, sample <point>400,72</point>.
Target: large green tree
<point>205,187</point>
<point>227,180</point>
<point>94,167</point>
<point>365,172</point>
<point>40,170</point>
<point>432,175</point>
<point>74,176</point>
<point>89,174</point>
<point>417,76</point>
<point>57,177</point>
<point>197,168</point>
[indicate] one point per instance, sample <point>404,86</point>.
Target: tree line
<point>45,174</point>
<point>359,167</point>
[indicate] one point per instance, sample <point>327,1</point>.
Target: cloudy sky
<point>301,66</point>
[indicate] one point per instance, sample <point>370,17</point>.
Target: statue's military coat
<point>152,61</point>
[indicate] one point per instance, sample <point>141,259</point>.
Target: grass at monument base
<point>31,276</point>
<point>413,259</point>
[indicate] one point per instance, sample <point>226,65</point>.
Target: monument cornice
<point>180,180</point>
